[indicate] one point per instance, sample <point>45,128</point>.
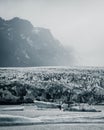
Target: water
<point>57,127</point>
<point>31,111</point>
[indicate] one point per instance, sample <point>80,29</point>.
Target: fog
<point>78,24</point>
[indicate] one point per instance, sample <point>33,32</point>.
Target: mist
<point>77,24</point>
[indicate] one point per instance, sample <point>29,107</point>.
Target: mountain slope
<point>21,44</point>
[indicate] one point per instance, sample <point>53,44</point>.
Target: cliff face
<point>21,44</point>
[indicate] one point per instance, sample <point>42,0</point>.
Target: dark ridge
<point>22,45</point>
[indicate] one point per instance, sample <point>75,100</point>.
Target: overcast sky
<point>76,23</point>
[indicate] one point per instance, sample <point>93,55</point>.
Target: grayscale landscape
<point>45,89</point>
<point>51,65</point>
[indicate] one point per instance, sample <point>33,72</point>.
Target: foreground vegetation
<point>60,85</point>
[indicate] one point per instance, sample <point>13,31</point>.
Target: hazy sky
<point>76,23</point>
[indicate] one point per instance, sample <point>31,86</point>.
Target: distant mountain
<point>23,45</point>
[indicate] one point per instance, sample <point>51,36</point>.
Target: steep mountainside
<point>21,44</point>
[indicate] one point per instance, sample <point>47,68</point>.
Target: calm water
<point>30,111</point>
<point>57,127</point>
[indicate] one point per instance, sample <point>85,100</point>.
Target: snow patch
<point>22,36</point>
<point>36,31</point>
<point>9,29</point>
<point>26,55</point>
<point>8,34</point>
<point>29,41</point>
